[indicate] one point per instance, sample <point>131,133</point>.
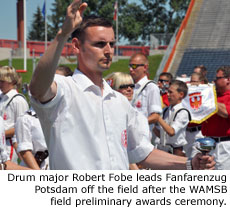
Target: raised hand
<point>74,16</point>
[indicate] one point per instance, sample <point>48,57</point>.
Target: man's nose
<point>108,48</point>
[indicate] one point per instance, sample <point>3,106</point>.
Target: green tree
<point>37,29</point>
<point>131,22</point>
<point>58,15</point>
<point>136,21</point>
<point>176,14</point>
<point>103,8</point>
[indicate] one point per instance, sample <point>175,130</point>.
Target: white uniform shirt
<point>3,154</point>
<point>10,113</point>
<point>149,100</point>
<point>86,130</point>
<point>179,125</point>
<point>29,135</point>
<point>17,107</point>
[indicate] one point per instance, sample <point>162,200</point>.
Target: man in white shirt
<point>146,97</point>
<point>87,125</point>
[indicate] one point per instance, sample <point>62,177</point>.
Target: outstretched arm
<point>161,160</point>
<point>42,86</point>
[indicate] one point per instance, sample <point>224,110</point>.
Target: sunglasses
<point>125,86</point>
<point>134,66</point>
<point>162,80</point>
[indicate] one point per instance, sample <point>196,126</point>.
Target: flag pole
<point>45,27</point>
<point>117,31</point>
<point>25,45</point>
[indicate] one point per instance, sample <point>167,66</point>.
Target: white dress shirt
<point>30,136</point>
<point>87,130</point>
<point>179,125</point>
<point>10,113</point>
<point>149,100</point>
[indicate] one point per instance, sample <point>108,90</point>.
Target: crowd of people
<point>125,121</point>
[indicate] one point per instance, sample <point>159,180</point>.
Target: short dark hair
<point>202,68</point>
<point>90,21</point>
<point>225,70</point>
<point>201,77</point>
<point>181,86</point>
<point>168,75</point>
<point>66,70</point>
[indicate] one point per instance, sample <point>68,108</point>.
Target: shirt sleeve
<point>46,111</point>
<point>23,134</point>
<point>3,154</point>
<point>20,106</point>
<point>139,146</point>
<point>181,121</point>
<point>154,100</point>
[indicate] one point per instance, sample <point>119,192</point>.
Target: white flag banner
<point>201,101</point>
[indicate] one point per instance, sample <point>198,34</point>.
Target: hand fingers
<point>75,5</point>
<point>207,162</point>
<point>82,8</point>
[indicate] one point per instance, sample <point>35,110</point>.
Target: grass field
<point>119,66</point>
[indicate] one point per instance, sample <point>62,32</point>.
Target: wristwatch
<point>189,164</point>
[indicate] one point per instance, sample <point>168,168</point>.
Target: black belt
<point>221,139</point>
<point>193,129</point>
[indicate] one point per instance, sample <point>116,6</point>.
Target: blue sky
<point>8,20</point>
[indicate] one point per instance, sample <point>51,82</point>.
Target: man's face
<point>174,96</point>
<point>96,52</point>
<point>162,81</point>
<point>141,68</point>
<point>222,83</point>
<point>195,80</point>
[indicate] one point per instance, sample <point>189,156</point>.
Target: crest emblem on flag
<point>195,100</point>
<point>201,101</point>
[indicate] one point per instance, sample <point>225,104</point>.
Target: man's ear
<point>146,66</point>
<point>181,95</point>
<point>76,45</point>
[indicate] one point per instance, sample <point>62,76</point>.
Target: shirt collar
<point>11,93</point>
<point>142,81</point>
<point>175,107</point>
<point>86,84</point>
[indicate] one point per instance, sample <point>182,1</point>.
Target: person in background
<point>64,70</point>
<point>175,120</point>
<point>218,125</point>
<point>146,97</point>
<point>31,142</point>
<point>193,130</point>
<point>203,71</point>
<point>5,163</point>
<point>121,82</point>
<point>164,81</point>
<point>12,105</point>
